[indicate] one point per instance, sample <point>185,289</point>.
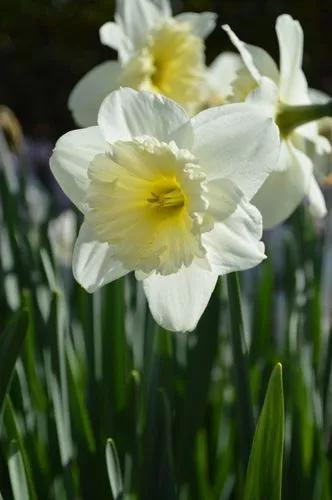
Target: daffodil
<point>263,84</point>
<point>167,197</point>
<point>156,52</point>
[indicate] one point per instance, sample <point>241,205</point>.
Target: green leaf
<point>11,341</point>
<point>264,474</point>
<point>14,433</point>
<point>114,470</point>
<point>17,474</point>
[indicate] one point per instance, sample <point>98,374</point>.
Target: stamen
<point>172,198</point>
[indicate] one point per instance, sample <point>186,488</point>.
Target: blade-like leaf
<point>17,474</point>
<point>14,433</point>
<point>11,341</point>
<point>114,470</point>
<point>264,474</point>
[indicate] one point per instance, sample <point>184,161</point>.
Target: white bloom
<point>265,85</point>
<point>157,52</point>
<point>167,197</point>
<point>62,235</point>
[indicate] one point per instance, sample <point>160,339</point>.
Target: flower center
<point>171,63</point>
<point>146,200</point>
<point>169,197</point>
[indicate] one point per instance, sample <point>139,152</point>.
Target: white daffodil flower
<point>157,52</point>
<point>263,84</point>
<point>220,75</point>
<point>167,196</point>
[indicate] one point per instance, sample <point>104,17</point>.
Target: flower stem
<point>291,117</point>
<point>241,371</point>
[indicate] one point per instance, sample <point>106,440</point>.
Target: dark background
<point>47,45</point>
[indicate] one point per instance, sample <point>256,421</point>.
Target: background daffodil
<point>263,84</point>
<point>156,52</point>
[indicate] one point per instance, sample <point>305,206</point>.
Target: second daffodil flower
<point>156,52</point>
<point>167,197</point>
<point>263,84</point>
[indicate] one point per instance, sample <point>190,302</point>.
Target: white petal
<point>164,6</point>
<point>293,85</point>
<point>284,190</point>
<point>126,114</point>
<point>137,18</point>
<point>319,97</point>
<point>93,264</point>
<point>234,245</point>
<point>70,160</point>
<point>239,142</point>
<point>266,94</point>
<point>222,72</point>
<point>317,205</point>
<point>112,35</point>
<point>178,300</point>
<point>88,94</point>
<point>223,197</point>
<point>258,61</point>
<point>321,144</point>
<point>202,24</point>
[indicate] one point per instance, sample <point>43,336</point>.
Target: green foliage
<point>264,474</point>
<point>11,341</point>
<point>77,370</point>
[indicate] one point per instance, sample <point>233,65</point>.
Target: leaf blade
<point>264,473</point>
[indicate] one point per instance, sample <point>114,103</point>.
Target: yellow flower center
<point>172,63</point>
<point>166,195</point>
<point>146,200</point>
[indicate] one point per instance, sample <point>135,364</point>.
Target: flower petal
<point>266,94</point>
<point>137,18</point>
<point>317,205</point>
<point>202,24</point>
<point>93,263</point>
<point>70,160</point>
<point>222,72</point>
<point>234,244</point>
<point>223,197</point>
<point>245,149</point>
<point>126,114</point>
<point>258,61</point>
<point>293,85</point>
<point>178,300</point>
<point>88,94</point>
<point>284,190</point>
<point>164,6</point>
<point>112,35</point>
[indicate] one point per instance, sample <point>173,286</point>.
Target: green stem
<point>241,371</point>
<point>291,117</point>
